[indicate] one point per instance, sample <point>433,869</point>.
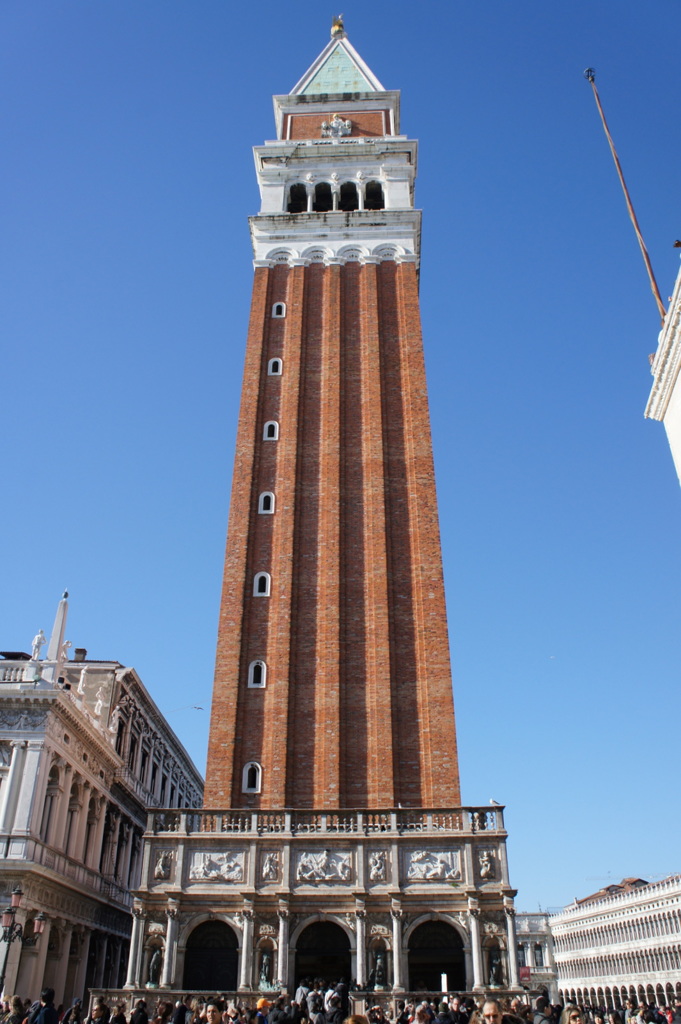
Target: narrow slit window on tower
<point>349,199</point>
<point>323,198</point>
<point>297,199</point>
<point>266,503</point>
<point>279,310</point>
<point>274,368</point>
<point>271,431</point>
<point>257,675</point>
<point>261,584</point>
<point>252,777</point>
<point>373,196</point>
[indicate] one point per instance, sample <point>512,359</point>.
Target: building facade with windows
<point>623,942</point>
<point>664,402</point>
<point>333,841</point>
<point>537,967</point>
<point>84,751</point>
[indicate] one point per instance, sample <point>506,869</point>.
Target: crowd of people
<point>315,1002</point>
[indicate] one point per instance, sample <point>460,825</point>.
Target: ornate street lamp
<point>11,930</point>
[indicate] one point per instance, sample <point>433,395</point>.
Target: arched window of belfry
<point>297,199</point>
<point>323,198</point>
<point>349,200</point>
<point>373,196</point>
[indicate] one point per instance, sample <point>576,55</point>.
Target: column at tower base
<point>394,901</point>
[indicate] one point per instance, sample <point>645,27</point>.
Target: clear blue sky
<point>125,185</point>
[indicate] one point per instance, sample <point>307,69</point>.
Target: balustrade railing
<point>463,820</point>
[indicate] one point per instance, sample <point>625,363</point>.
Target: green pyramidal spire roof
<point>338,68</point>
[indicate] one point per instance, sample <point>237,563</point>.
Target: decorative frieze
<point>213,866</point>
<point>323,866</point>
<point>427,865</point>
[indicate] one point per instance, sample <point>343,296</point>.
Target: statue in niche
<point>380,971</point>
<point>39,640</point>
<point>155,968</point>
<point>265,969</point>
<point>486,865</point>
<point>162,867</point>
<point>377,866</point>
<point>495,976</point>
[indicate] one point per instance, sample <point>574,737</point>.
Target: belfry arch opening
<point>323,198</point>
<point>349,198</point>
<point>322,951</point>
<point>436,948</point>
<point>373,196</point>
<point>211,958</point>
<point>297,201</point>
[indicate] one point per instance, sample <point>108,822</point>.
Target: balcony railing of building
<point>461,820</point>
<point>38,853</point>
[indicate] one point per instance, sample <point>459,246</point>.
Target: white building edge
<point>84,751</point>
<point>664,403</point>
<point>621,945</point>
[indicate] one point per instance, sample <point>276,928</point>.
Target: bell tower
<point>333,842</point>
<point>333,685</point>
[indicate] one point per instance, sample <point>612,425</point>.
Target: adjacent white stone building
<point>84,751</point>
<point>536,963</point>
<point>664,403</point>
<point>621,942</point>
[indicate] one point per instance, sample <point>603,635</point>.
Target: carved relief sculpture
<point>336,127</point>
<point>431,866</point>
<point>486,864</point>
<point>324,867</point>
<point>162,867</point>
<point>270,867</point>
<point>214,867</point>
<point>377,866</point>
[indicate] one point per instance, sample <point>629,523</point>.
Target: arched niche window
<point>297,199</point>
<point>266,503</point>
<point>252,777</point>
<point>349,200</point>
<point>373,196</point>
<point>51,798</point>
<point>274,367</point>
<point>261,584</point>
<point>270,431</point>
<point>279,310</point>
<point>323,198</point>
<point>257,675</point>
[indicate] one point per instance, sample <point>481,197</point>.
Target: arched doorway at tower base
<point>323,951</point>
<point>211,958</point>
<point>436,948</point>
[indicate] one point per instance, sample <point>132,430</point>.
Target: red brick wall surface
<point>358,708</point>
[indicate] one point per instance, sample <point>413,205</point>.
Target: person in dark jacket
<point>140,1015</point>
<point>47,1013</point>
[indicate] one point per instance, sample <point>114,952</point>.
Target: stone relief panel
<point>21,719</point>
<point>433,866</point>
<point>323,866</point>
<point>163,864</point>
<point>487,866</point>
<point>213,866</point>
<point>378,867</point>
<point>270,866</point>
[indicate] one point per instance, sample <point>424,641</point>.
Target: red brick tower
<point>332,685</point>
<point>332,843</point>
